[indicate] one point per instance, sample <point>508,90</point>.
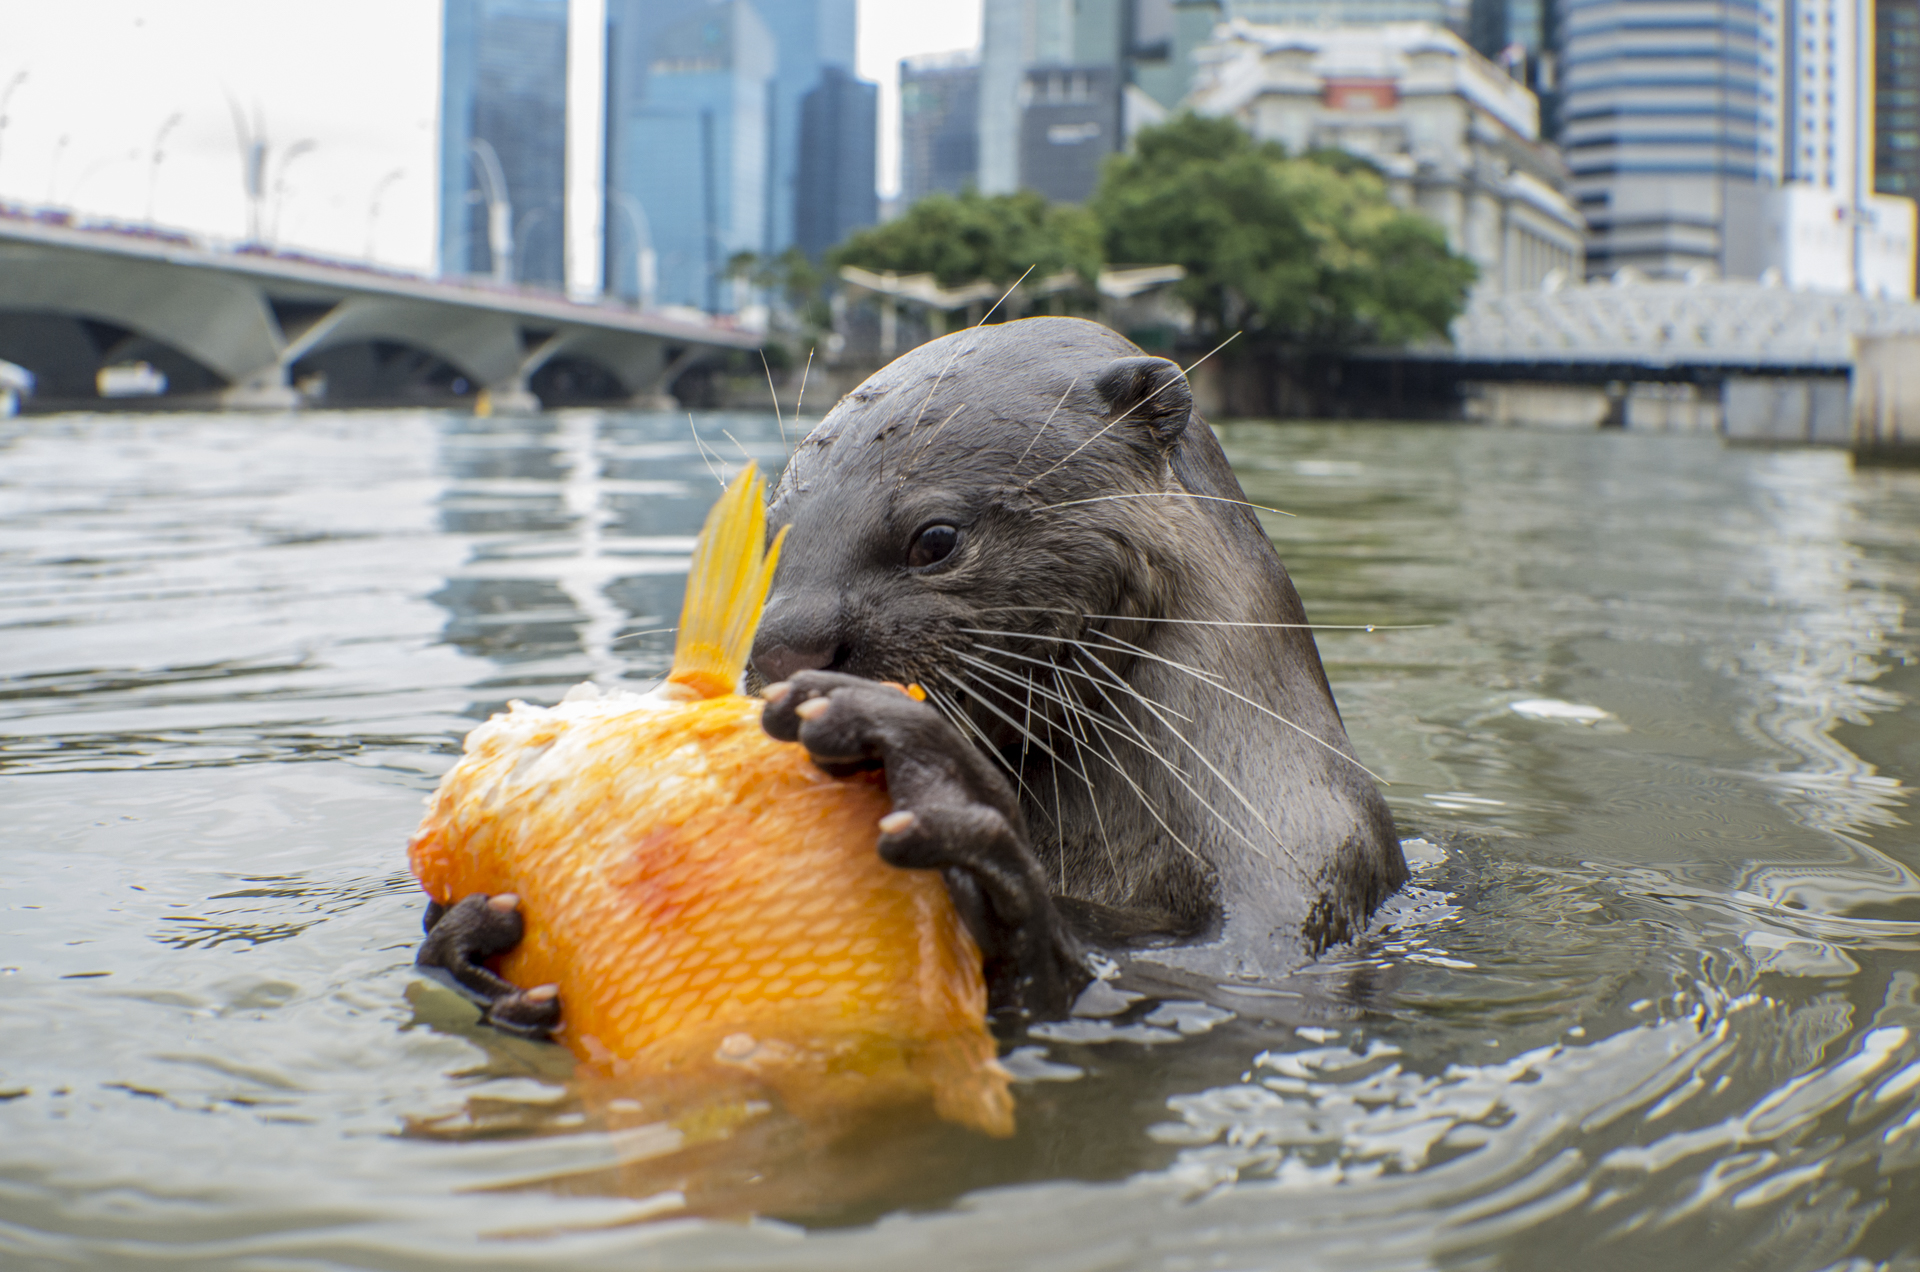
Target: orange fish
<point>708,901</point>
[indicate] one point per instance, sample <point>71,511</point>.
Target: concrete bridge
<point>1653,331</point>
<point>85,308</point>
<point>1740,358</point>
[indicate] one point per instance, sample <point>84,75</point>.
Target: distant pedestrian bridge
<point>1643,331</point>
<point>96,312</point>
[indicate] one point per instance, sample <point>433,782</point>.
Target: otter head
<point>958,498</point>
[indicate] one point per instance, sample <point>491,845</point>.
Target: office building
<point>503,141</point>
<point>811,38</point>
<point>1896,98</point>
<point>1110,65</point>
<point>1454,135</point>
<point>1451,14</point>
<point>688,154</point>
<point>939,125</point>
<point>741,74</point>
<point>1671,119</point>
<point>1070,121</point>
<point>834,194</point>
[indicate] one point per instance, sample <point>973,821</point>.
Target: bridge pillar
<point>264,390</point>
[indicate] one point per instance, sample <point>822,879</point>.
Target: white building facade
<point>1730,139</point>
<point>1456,137</point>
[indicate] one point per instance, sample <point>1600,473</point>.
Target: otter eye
<point>932,545</point>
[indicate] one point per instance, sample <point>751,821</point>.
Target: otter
<point>1128,741</point>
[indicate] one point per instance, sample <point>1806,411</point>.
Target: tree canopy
<point>963,238</point>
<point>1308,250</point>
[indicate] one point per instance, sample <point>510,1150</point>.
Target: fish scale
<point>707,899</point>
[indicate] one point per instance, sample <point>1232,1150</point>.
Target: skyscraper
<point>738,74</point>
<point>939,124</point>
<point>1069,124</point>
<point>1823,71</point>
<point>1670,117</point>
<point>811,38</point>
<point>688,162</point>
<point>1125,63</point>
<point>834,192</point>
<point>1896,98</point>
<point>503,140</point>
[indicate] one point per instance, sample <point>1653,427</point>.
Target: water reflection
<point>580,526</point>
<point>1654,997</point>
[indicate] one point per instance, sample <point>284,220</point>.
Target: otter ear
<point>1151,391</point>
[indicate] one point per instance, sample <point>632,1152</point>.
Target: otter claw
<point>532,1013</point>
<point>460,938</point>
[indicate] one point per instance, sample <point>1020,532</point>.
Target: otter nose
<point>781,661</point>
<point>799,632</point>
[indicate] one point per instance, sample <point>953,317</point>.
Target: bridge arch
<point>221,323</point>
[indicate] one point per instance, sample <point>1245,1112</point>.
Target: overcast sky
<point>358,79</point>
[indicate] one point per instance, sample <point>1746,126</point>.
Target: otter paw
<point>461,937</point>
<point>953,811</point>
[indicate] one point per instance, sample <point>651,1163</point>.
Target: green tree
<point>967,237</point>
<point>1310,251</point>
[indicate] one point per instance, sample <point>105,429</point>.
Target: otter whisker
<point>960,720</point>
<point>798,398</point>
<point>1080,772</point>
<point>1257,706</point>
<point>1233,790</point>
<point>651,631</point>
<point>1115,422</point>
<point>1077,731</point>
<point>1216,622</point>
<point>1012,723</point>
<point>1179,775</point>
<point>931,434</point>
<point>1005,294</point>
<point>775,395</point>
<point>1075,710</point>
<point>704,455</point>
<point>737,446</point>
<point>1166,494</point>
<point>1200,672</point>
<point>1093,800</point>
<point>1073,671</point>
<point>1043,424</point>
<point>959,349</point>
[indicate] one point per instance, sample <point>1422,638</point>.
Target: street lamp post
<point>6,98</point>
<point>53,169</point>
<point>373,205</point>
<point>493,182</point>
<point>159,153</point>
<point>305,146</point>
<point>645,259</point>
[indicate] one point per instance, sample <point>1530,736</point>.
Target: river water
<point>1652,1001</point>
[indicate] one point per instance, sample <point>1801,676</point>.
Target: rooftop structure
<point>839,122</point>
<point>503,126</point>
<point>1741,325</point>
<point>939,124</point>
<point>688,161</point>
<point>1455,137</point>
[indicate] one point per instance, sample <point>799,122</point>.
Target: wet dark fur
<point>994,430</point>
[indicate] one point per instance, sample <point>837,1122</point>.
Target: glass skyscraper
<point>834,191</point>
<point>1670,116</point>
<point>939,124</point>
<point>705,149</point>
<point>503,140</point>
<point>1896,98</point>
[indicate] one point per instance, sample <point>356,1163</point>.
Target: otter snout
<point>781,662</point>
<point>798,633</point>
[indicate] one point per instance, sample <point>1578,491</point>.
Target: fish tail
<point>726,590</point>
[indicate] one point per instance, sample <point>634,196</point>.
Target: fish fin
<point>726,590</point>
